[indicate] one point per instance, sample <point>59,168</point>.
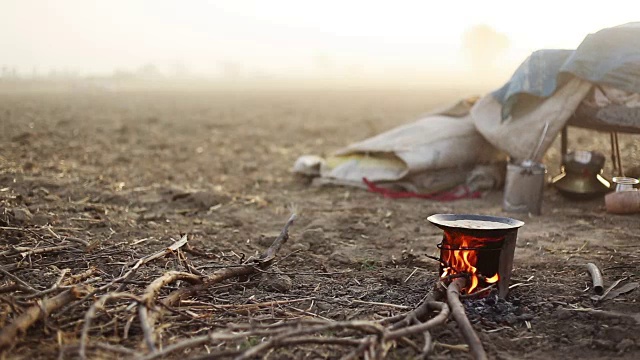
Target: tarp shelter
<point>469,142</point>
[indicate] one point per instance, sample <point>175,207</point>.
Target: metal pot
<point>581,176</point>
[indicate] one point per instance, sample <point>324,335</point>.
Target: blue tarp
<point>609,57</point>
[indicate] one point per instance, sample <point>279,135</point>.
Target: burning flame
<point>457,261</point>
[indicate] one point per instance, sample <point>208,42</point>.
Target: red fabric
<point>443,196</point>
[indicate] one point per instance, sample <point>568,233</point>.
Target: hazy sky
<point>284,35</point>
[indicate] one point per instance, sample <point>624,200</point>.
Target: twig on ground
<point>420,312</point>
<point>457,311</point>
<point>460,347</point>
<point>91,313</point>
<point>249,267</point>
<point>129,273</point>
<point>17,280</point>
<point>148,298</point>
<point>25,251</point>
<point>41,310</point>
<point>164,252</point>
<point>422,327</point>
<point>285,338</point>
<point>53,288</point>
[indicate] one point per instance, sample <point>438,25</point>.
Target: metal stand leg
<point>563,143</point>
<point>613,153</point>
<point>619,160</point>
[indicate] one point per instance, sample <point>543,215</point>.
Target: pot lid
<point>474,223</point>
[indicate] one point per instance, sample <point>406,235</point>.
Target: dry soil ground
<point>129,172</point>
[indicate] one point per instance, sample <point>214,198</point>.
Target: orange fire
<point>464,261</point>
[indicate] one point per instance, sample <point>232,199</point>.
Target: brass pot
<point>581,176</point>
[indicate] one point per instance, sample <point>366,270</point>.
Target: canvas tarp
<point>608,57</point>
<point>521,119</point>
<point>533,125</point>
<point>437,152</point>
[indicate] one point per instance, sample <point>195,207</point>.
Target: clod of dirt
<point>359,226</point>
<point>274,280</point>
<point>202,200</point>
<point>41,219</point>
<point>614,333</point>
<point>108,197</point>
<point>317,241</point>
<point>22,216</point>
<point>152,215</point>
<point>300,247</point>
<point>311,235</point>
<point>338,258</point>
<point>562,314</point>
<point>625,345</point>
<point>52,197</point>
<point>23,138</point>
<point>265,240</point>
<point>206,200</point>
<point>603,344</point>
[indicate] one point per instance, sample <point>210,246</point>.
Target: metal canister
<point>524,186</point>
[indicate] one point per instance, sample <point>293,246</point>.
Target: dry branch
<point>149,296</point>
<point>164,252</point>
<point>367,327</point>
<point>25,251</point>
<point>91,313</point>
<point>248,267</point>
<point>457,311</point>
<point>17,280</point>
<point>420,313</point>
<point>422,327</point>
<point>74,279</point>
<point>366,338</point>
<point>173,247</point>
<point>167,278</point>
<point>41,310</point>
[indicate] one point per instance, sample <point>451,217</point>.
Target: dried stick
<point>17,280</point>
<point>457,311</point>
<point>25,251</point>
<point>53,288</point>
<point>167,278</point>
<point>91,313</point>
<point>420,312</point>
<point>422,327</point>
<point>173,247</point>
<point>249,267</point>
<point>149,296</point>
<point>428,345</point>
<point>74,279</point>
<point>76,240</point>
<point>189,343</point>
<point>596,276</point>
<point>11,288</point>
<point>364,326</point>
<point>34,313</point>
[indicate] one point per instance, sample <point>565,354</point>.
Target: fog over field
<point>406,43</point>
